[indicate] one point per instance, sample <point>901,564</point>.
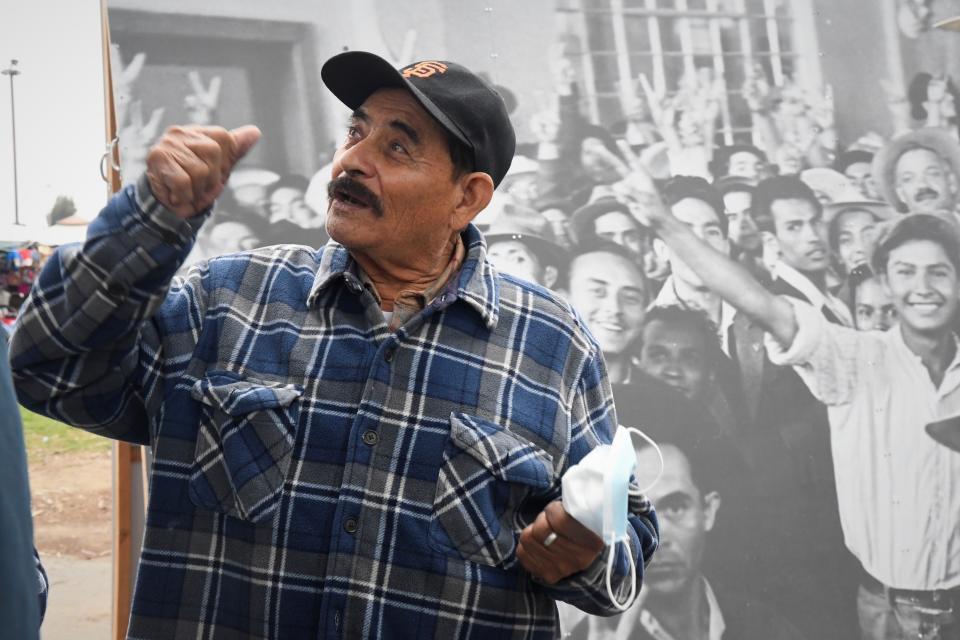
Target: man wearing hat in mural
<point>521,242</point>
<point>898,497</point>
<point>919,172</point>
<point>364,440</point>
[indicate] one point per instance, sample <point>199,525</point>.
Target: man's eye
<point>398,147</point>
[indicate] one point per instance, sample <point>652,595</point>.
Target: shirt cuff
<point>165,223</point>
<point>810,329</point>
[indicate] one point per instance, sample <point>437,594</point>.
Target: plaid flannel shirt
<point>316,475</point>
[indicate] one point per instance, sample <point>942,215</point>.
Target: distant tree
<point>62,209</point>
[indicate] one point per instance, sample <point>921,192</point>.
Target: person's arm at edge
<point>19,604</point>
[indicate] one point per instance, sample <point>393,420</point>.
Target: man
<point>361,441</point>
<point>679,347</point>
<point>873,310</point>
<point>918,171</point>
<point>521,242</point>
<point>608,289</point>
<point>897,494</point>
<point>683,597</point>
<point>610,220</point>
<point>851,229</point>
<point>794,224</point>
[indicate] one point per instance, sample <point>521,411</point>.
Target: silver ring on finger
<point>550,539</point>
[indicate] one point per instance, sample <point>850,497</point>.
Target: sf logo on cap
<point>424,69</point>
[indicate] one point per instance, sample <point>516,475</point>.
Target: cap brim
<point>946,432</point>
<point>353,76</point>
<point>950,24</point>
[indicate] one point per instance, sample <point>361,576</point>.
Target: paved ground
<point>72,529</point>
<point>79,605</point>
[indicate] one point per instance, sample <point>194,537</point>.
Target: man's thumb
<point>243,139</point>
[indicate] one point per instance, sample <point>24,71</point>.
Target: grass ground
<point>45,437</point>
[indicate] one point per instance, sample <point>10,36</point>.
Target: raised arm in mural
<point>202,103</point>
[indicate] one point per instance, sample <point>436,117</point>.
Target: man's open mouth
<point>348,192</point>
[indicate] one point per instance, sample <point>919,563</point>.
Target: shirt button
<point>336,620</point>
<point>371,437</point>
<point>350,525</point>
<point>354,286</point>
<point>388,353</point>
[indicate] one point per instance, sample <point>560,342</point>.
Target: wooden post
<point>129,473</point>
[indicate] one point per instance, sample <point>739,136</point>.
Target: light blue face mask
<point>596,492</point>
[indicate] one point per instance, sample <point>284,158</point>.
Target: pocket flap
<point>236,396</point>
<point>502,452</point>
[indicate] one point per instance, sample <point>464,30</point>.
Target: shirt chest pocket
<point>244,445</point>
<point>486,474</point>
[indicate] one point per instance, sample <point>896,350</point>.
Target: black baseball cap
<point>461,101</point>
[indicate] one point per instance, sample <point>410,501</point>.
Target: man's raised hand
<point>188,167</point>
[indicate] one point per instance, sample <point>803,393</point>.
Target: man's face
<point>860,175</point>
<point>922,283</point>
<point>677,355</point>
<point>621,229</point>
<point>924,182</point>
<point>703,221</point>
<point>286,203</point>
<point>800,235</point>
<point>873,308</point>
<point>686,515</point>
<point>608,291</point>
<point>396,194</point>
<point>745,164</point>
<point>856,230</point>
<point>742,227</point>
<point>515,258</point>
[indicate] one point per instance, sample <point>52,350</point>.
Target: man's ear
<point>476,191</point>
<point>711,503</point>
<point>550,275</point>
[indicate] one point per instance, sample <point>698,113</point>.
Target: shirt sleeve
<point>826,356</point>
<point>593,423</point>
<point>83,351</point>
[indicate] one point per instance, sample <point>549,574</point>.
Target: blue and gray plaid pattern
<point>316,475</point>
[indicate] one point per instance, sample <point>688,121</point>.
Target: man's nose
<point>354,161</point>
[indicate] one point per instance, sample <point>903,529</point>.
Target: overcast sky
<point>59,106</point>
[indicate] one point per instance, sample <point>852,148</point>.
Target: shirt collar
<point>814,296</point>
<point>476,283</point>
<point>716,625</point>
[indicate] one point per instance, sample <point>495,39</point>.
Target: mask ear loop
<point>631,574</point>
<point>656,447</point>
<point>613,546</point>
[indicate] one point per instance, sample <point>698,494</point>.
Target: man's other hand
<point>188,167</point>
<point>573,549</point>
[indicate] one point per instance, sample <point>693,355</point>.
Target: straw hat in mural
<point>940,141</point>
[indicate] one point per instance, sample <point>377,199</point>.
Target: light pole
<point>13,71</point>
